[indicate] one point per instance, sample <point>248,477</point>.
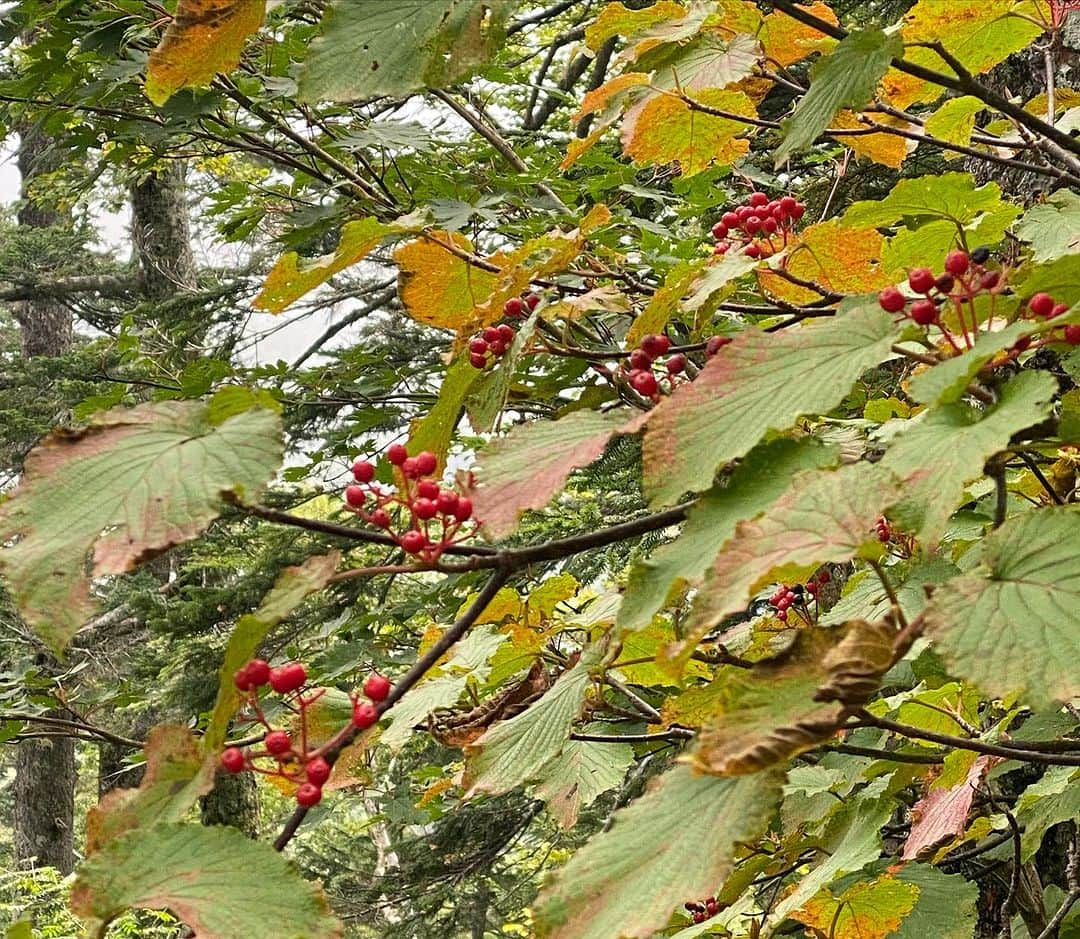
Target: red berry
<point>719,231</point>
<point>355,496</point>
<point>258,672</point>
<point>924,312</point>
<point>945,283</point>
<point>411,468</point>
<point>233,760</point>
<point>365,715</point>
<point>478,361</point>
<point>377,687</point>
<point>498,348</point>
<point>425,509</point>
<point>892,300</point>
<point>427,489</point>
<point>989,280</point>
<point>308,795</point>
<point>640,360</point>
<point>770,225</point>
<point>824,576</point>
<point>753,224</point>
<point>288,677</point>
<point>676,364</point>
<point>317,771</point>
<point>812,588</point>
<point>414,541</point>
<point>744,212</point>
<point>645,384</point>
<point>446,501</point>
<point>506,333</point>
<point>516,307</point>
<point>921,279</point>
<point>490,334</point>
<point>782,615</point>
<point>396,454</point>
<point>1058,309</point>
<point>380,518</point>
<point>1072,334</point>
<point>532,300</point>
<point>426,461</point>
<point>363,471</point>
<point>730,219</point>
<point>278,742</point>
<point>721,247</point>
<point>1022,343</point>
<point>788,203</point>
<point>700,917</point>
<point>758,198</point>
<point>957,262</point>
<point>798,210</point>
<point>241,679</point>
<point>463,510</point>
<point>655,345</point>
<point>478,345</point>
<point>784,602</point>
<point>715,344</point>
<point>752,251</point>
<point>1042,304</point>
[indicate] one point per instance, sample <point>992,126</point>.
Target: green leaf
<point>157,474</point>
<point>516,751</point>
<point>952,196</point>
<point>955,120</point>
<point>627,881</point>
<point>910,247</point>
<point>946,908</point>
<point>948,381</point>
<point>435,430</point>
<point>524,469</point>
<point>757,482</point>
<point>1052,228</point>
<point>290,589</point>
<point>865,598</point>
<point>1053,799</point>
<point>760,382</point>
<point>718,274</point>
<point>823,517</point>
<point>615,19</point>
<point>581,773</point>
<point>846,78</point>
<point>374,47</point>
<point>1059,278</point>
<point>944,448</point>
<point>1011,624</point>
<point>868,909</point>
<point>236,399</point>
<point>215,879</point>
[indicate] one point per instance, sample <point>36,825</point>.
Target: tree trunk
<point>233,801</point>
<point>161,232</point>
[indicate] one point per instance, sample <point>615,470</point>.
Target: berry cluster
<point>899,544</point>
<point>765,225</point>
<point>798,598</point>
<point>641,362</point>
<point>947,300</point>
<point>701,911</point>
<point>490,344</point>
<point>436,515</point>
<point>294,759</point>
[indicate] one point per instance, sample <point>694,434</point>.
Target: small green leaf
<point>1052,228</point>
<point>1053,799</point>
<point>627,881</point>
<point>216,879</point>
<point>1059,278</point>
<point>579,774</point>
<point>846,78</point>
<point>1011,624</point>
<point>955,120</point>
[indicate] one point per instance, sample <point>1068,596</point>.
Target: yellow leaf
<point>868,910</point>
<point>581,145</point>
<point>735,16</point>
<point>205,37</point>
<point>955,120</point>
<point>665,129</point>
<point>842,260</point>
<point>787,40</point>
<point>439,288</point>
<point>616,20</point>
<point>290,278</point>
<point>886,149</point>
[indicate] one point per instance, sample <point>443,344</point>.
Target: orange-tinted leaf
<point>941,814</point>
<point>787,40</point>
<point>869,910</point>
<point>439,288</point>
<point>837,259</point>
<point>205,37</point>
<point>291,277</point>
<point>617,20</point>
<point>735,16</point>
<point>613,91</point>
<point>886,149</point>
<point>665,129</point>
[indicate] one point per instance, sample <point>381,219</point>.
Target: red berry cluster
<point>799,597</point>
<point>765,225</point>
<point>899,544</point>
<point>436,515</point>
<point>491,343</point>
<point>293,757</point>
<point>641,362</point>
<point>701,911</point>
<point>1045,307</point>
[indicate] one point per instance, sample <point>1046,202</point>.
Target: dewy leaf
<point>1053,227</point>
<point>760,382</point>
<point>516,751</point>
<point>867,910</point>
<point>291,278</point>
<point>524,469</point>
<point>581,773</point>
<point>157,473</point>
<point>941,814</point>
<point>372,47</point>
<point>438,287</point>
<point>757,482</point>
<point>215,879</point>
<point>290,589</point>
<point>1011,624</point>
<point>781,708</point>
<point>824,517</point>
<point>665,129</point>
<point>944,448</point>
<point>627,881</point>
<point>204,38</point>
<point>952,196</point>
<point>177,773</point>
<point>846,78</point>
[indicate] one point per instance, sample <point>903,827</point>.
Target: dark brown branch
<point>540,16</point>
<point>674,733</point>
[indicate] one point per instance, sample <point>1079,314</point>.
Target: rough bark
<point>161,232</point>
<point>233,801</point>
